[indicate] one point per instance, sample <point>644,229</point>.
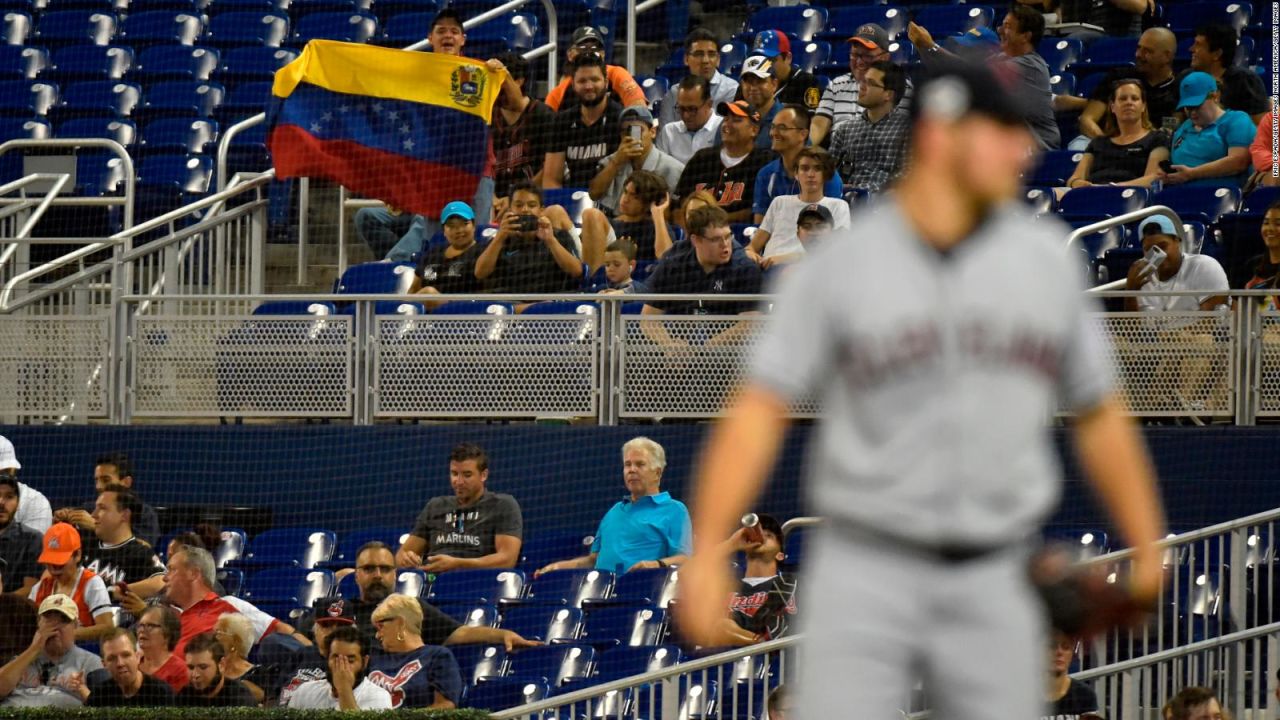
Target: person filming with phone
<point>635,152</point>
<point>527,255</point>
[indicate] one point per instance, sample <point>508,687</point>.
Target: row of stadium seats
<point>144,66</point>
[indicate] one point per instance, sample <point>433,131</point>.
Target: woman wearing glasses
<point>158,632</point>
<point>416,674</point>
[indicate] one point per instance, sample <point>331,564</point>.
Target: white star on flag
<point>408,144</point>
<point>394,115</point>
<point>377,108</point>
<point>406,129</point>
<point>315,127</point>
<point>327,117</point>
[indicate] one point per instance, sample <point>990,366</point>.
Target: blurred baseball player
<point>941,331</point>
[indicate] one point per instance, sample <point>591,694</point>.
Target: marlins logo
<point>467,85</point>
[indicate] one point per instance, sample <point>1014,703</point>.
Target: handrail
<point>59,181</point>
<point>683,668</point>
<point>1193,535</point>
<point>130,176</point>
<point>633,16</point>
<point>1182,651</point>
<point>1124,219</point>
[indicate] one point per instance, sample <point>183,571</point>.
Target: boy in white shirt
<point>775,241</point>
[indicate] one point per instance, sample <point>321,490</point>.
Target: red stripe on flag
<point>405,183</point>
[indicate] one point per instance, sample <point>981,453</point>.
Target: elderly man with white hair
<point>646,529</point>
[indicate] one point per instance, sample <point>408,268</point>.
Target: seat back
<point>1206,204</point>
<point>478,662</point>
<point>571,587</point>
<point>800,23</point>
<point>254,63</point>
<point>536,622</point>
<point>70,26</point>
<point>625,625</point>
<point>412,582</point>
<point>479,586</point>
<point>1102,201</point>
<point>90,62</point>
<point>161,26</point>
<point>501,694</point>
<point>179,135</point>
<point>376,277</point>
<point>342,26</point>
<point>231,547</point>
<point>247,28</point>
<point>177,62</point>
<point>555,663</point>
<point>296,547</point>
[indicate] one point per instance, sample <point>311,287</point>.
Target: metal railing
<point>634,9</point>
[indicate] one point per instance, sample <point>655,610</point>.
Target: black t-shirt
<point>469,532</point>
<point>1104,14</point>
<point>1080,701</point>
<point>642,233</point>
<point>1242,90</point>
<point>20,549</point>
<point>801,88</point>
<point>131,561</point>
<point>520,147</point>
<point>1162,99</point>
<point>734,188</point>
<point>233,694</point>
<point>765,608</point>
<point>584,145</point>
<point>679,272</point>
<point>1265,274</point>
<point>104,692</point>
<point>1121,163</point>
<point>450,275</point>
<point>526,266</point>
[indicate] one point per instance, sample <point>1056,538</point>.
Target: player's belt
<point>946,553</point>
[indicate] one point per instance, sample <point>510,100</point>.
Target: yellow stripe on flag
<point>462,84</point>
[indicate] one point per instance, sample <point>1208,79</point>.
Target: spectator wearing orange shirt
<point>586,40</point>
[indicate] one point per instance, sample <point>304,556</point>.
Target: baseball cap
<point>758,65</point>
<point>584,34</point>
<point>741,108</point>
<point>459,209</point>
<point>635,113</point>
<point>962,88</point>
<point>771,44</point>
<point>336,610</point>
<point>871,36</point>
<point>1157,225</point>
<point>977,37</point>
<point>60,542</point>
<point>446,14</point>
<point>8,456</point>
<point>813,210</point>
<point>11,480</point>
<point>60,604</point>
<point>769,523</point>
<point>1195,88</point>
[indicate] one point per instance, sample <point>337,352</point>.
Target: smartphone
<point>528,223</point>
<point>1166,165</point>
<point>1155,257</point>
<point>636,131</point>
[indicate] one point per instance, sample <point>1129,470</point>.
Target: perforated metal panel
<point>1268,377</point>
<point>54,366</point>
<point>482,365</point>
<point>691,373</point>
<point>223,366</point>
<point>1174,363</point>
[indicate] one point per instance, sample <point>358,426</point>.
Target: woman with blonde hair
<point>416,674</point>
<point>235,633</point>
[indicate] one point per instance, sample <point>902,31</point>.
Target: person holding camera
<point>635,152</point>
<point>528,255</point>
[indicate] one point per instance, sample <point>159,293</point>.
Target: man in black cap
<point>729,171</point>
<point>813,224</point>
<point>935,464</point>
<point>587,40</point>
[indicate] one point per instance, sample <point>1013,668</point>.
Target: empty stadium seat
<point>1184,18</point>
<point>105,126</point>
<point>160,27</point>
<point>536,622</point>
<point>387,8</point>
<point>1193,202</point>
<point>185,173</point>
<point>540,550</point>
<point>406,28</point>
<point>554,663</point>
<point>90,62</point>
<point>176,62</point>
<point>1054,167</point>
<point>945,20</point>
<point>474,307</point>
<point>343,26</point>
<point>182,98</point>
<point>625,625</point>
<point>1060,53</point>
<point>800,23</point>
<point>479,586</point>
<point>376,277</point>
<point>501,694</point>
<point>289,547</point>
<point>60,27</point>
<point>15,27</point>
<point>178,136</point>
<point>22,63</point>
<point>412,582</point>
<point>697,699</point>
<point>276,591</point>
<point>243,101</point>
<point>808,56</point>
<point>469,613</point>
<point>1097,244</point>
<point>24,129</point>
<point>254,63</point>
<point>1083,544</point>
<point>247,28</point>
<point>1107,52</point>
<point>515,31</point>
<point>96,97</point>
<point>627,660</point>
<point>654,587</point>
<point>843,22</point>
<point>570,587</point>
<point>344,554</point>
<point>478,662</point>
<point>1097,202</point>
<point>302,307</point>
<point>231,547</point>
<point>1257,202</point>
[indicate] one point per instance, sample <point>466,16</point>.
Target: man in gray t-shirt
<point>934,463</point>
<point>52,671</point>
<point>473,528</point>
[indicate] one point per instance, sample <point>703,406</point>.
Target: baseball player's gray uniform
<point>939,372</point>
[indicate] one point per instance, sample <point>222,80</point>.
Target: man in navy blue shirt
<point>710,263</point>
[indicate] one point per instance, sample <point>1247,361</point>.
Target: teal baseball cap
<point>1157,225</point>
<point>1195,88</point>
<point>457,208</point>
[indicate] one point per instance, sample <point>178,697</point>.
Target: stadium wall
<point>344,478</point>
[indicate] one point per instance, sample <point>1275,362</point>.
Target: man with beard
<point>582,136</point>
<point>207,687</point>
<point>376,578</point>
<point>19,544</point>
<point>309,663</point>
<point>51,671</point>
<point>345,686</point>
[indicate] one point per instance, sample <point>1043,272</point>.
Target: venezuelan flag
<point>409,128</point>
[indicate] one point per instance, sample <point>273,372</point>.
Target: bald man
<point>1153,67</point>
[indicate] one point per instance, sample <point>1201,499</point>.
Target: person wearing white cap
<point>34,510</point>
<point>51,672</point>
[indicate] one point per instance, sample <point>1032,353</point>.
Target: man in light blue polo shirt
<point>647,529</point>
<point>1211,147</point>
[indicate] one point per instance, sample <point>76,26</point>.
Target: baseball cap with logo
<point>965,88</point>
<point>457,208</point>
<point>586,34</point>
<point>60,604</point>
<point>1195,89</point>
<point>636,114</point>
<point>60,542</point>
<point>1157,225</point>
<point>336,610</point>
<point>871,36</point>
<point>741,108</point>
<point>8,456</point>
<point>771,44</point>
<point>759,66</point>
<point>814,211</point>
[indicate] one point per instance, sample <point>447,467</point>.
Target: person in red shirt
<point>158,632</point>
<point>587,40</point>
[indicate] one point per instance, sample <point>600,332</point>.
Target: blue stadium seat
<point>97,97</point>
<point>178,135</point>
<point>348,588</point>
<point>389,8</point>
<point>376,277</point>
<point>626,660</point>
<point>469,613</point>
<point>793,546</point>
<point>290,547</point>
<point>1062,84</point>
<point>1205,204</point>
<point>15,28</point>
<point>24,129</point>
<point>1060,53</point>
<point>843,22</point>
<point>389,307</point>
<point>573,200</point>
<point>560,307</point>
<point>101,126</point>
<point>1097,245</point>
<point>945,20</point>
<point>261,6</point>
<point>501,694</point>
<point>554,663</point>
<point>175,62</point>
<point>1184,18</point>
<point>160,27</point>
<point>1108,52</point>
<point>625,625</point>
<point>299,9</point>
<point>732,55</point>
<point>654,587</point>
<point>1097,202</point>
<point>655,88</point>
<point>800,22</point>
<point>1084,544</point>
<point>300,307</point>
<point>406,28</point>
<point>536,622</point>
<point>248,151</point>
<point>247,28</point>
<point>570,587</point>
<point>412,582</point>
<point>22,63</point>
<point>474,307</point>
<point>349,544</point>
<point>276,591</point>
<point>187,174</point>
<point>254,63</point>
<point>479,662</point>
<point>812,54</point>
<point>479,586</point>
<point>539,550</point>
<point>343,26</point>
<point>1088,82</point>
<point>60,27</point>
<point>516,30</point>
<point>232,581</point>
<point>231,547</point>
<point>1041,200</point>
<point>243,101</point>
<point>182,98</point>
<point>90,62</point>
<point>1257,202</point>
<point>697,699</point>
<point>1053,168</point>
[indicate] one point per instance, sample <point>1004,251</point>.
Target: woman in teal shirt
<point>1211,147</point>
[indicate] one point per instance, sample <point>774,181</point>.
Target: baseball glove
<point>1079,599</point>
